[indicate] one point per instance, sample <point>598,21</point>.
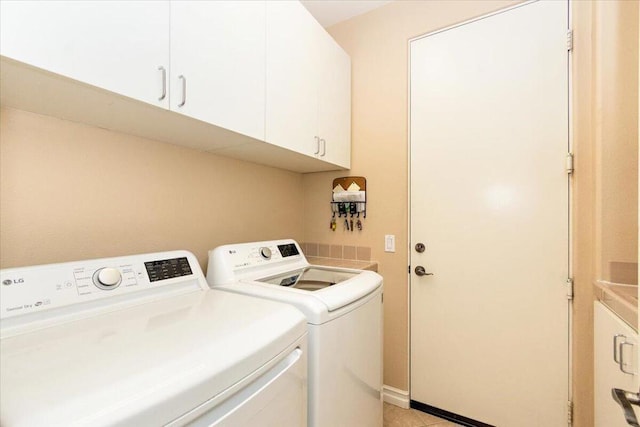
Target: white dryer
<point>142,341</point>
<point>344,314</point>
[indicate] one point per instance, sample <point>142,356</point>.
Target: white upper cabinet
<point>334,103</point>
<point>114,45</point>
<point>218,63</point>
<point>292,75</point>
<point>227,74</point>
<point>308,86</point>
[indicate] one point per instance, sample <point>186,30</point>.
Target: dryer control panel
<point>59,289</point>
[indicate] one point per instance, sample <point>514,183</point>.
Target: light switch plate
<point>389,243</point>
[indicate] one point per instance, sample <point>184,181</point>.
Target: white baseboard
<point>395,396</point>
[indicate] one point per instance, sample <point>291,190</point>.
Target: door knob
<point>420,247</point>
<point>420,271</point>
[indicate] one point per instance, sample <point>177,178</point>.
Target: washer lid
<point>335,287</point>
<point>145,365</point>
<point>319,306</point>
<point>310,278</point>
<point>350,291</point>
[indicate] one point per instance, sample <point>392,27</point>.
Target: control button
<point>265,253</point>
<point>107,278</point>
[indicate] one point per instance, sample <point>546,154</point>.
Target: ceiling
<point>330,12</point>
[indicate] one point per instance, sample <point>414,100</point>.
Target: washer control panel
<point>229,263</point>
<point>39,288</point>
<point>261,254</point>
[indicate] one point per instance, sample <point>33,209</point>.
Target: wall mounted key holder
<point>349,200</point>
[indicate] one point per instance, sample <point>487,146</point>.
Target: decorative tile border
<point>321,250</point>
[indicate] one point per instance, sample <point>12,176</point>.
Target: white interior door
<point>489,200</point>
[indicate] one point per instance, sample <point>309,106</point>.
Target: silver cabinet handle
<point>164,83</point>
<point>324,147</point>
<point>615,347</point>
<point>184,90</point>
<point>626,399</point>
<point>621,363</point>
<point>317,138</point>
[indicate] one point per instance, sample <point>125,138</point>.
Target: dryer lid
<point>144,365</point>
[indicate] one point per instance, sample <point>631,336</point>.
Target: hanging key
<point>333,224</point>
<point>351,221</point>
<point>346,224</point>
<point>359,225</point>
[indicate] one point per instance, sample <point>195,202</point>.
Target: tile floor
<point>398,417</point>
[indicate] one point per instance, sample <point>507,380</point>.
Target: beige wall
<point>378,44</point>
<point>583,212</point>
<point>70,191</point>
<point>616,103</point>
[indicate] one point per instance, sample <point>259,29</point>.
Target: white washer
<point>142,340</point>
<point>344,314</point>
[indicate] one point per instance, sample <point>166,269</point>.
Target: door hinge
<point>570,412</point>
<point>569,40</point>
<point>409,269</point>
<point>569,163</point>
<point>569,288</point>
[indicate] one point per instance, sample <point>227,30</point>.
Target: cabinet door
<point>292,75</point>
<point>115,45</point>
<point>608,374</point>
<point>218,47</point>
<point>334,104</point>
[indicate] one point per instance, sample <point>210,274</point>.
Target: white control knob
<point>265,253</point>
<point>107,278</point>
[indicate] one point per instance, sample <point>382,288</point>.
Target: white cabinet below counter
<point>615,364</point>
<point>190,73</point>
